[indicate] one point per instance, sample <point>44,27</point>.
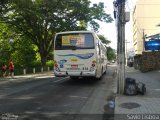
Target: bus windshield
<point>74,41</point>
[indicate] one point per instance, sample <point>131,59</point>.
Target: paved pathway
<point>148,104</point>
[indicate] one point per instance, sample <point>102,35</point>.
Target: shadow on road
<point>81,81</point>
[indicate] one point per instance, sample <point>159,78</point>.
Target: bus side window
<point>58,42</point>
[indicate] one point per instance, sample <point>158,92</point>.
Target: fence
<point>29,70</point>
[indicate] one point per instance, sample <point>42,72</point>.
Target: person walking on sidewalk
<point>4,69</point>
<point>11,68</point>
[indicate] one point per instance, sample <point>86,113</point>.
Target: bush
<point>50,63</point>
<point>35,64</point>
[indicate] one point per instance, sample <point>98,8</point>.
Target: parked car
<point>113,61</point>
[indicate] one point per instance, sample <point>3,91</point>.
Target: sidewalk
<point>27,77</point>
<point>143,106</point>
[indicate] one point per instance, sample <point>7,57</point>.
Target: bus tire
<point>102,71</point>
<point>99,78</point>
<point>105,70</point>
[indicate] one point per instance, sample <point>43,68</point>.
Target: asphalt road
<point>58,98</point>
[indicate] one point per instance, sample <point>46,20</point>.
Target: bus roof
<point>75,32</point>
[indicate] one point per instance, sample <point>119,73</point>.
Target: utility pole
<point>126,55</point>
<point>120,18</point>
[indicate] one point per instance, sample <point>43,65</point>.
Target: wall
<point>146,17</point>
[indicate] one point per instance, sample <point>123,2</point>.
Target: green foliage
<point>110,52</point>
<point>39,20</point>
<point>50,63</point>
<point>23,53</point>
<point>104,40</point>
<point>35,63</point>
<point>5,46</point>
<point>20,49</point>
<point>38,57</point>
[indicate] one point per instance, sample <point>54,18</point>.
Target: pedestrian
<point>4,69</point>
<point>11,68</point>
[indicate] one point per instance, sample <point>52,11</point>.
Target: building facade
<point>146,18</point>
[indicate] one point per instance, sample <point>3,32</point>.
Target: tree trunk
<point>43,58</point>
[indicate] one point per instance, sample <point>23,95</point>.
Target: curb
<point>24,77</point>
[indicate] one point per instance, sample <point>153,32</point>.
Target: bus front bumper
<point>79,74</point>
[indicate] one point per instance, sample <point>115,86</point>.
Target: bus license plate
<point>74,66</point>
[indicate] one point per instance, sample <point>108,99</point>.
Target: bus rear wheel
<point>98,78</point>
<point>105,70</point>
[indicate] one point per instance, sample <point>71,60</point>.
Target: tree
<point>110,52</point>
<point>23,53</point>
<point>104,40</point>
<point>39,20</point>
<point>20,50</point>
<point>5,46</point>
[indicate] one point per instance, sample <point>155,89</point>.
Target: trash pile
<point>134,88</point>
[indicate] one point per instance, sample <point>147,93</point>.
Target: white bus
<point>79,54</point>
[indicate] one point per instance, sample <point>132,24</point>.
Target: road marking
<point>66,105</point>
<point>44,76</point>
<point>78,97</point>
<point>59,80</point>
